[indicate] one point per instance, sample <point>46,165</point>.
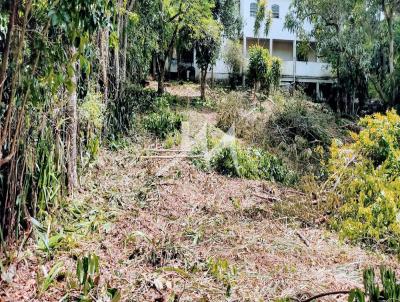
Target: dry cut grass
<point>162,235</point>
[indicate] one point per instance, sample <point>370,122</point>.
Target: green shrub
<point>365,180</point>
<point>264,70</point>
<point>163,121</point>
<point>207,104</point>
<point>122,112</point>
<point>173,139</point>
<point>92,115</point>
<point>251,164</point>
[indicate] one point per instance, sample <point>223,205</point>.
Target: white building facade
<point>309,71</point>
<point>281,43</point>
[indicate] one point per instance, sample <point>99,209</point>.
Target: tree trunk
<point>72,131</point>
<point>389,20</point>
<point>212,77</point>
<point>124,51</point>
<point>6,51</point>
<point>104,49</point>
<point>125,46</point>
<point>160,74</point>
<point>116,51</point>
<point>203,79</point>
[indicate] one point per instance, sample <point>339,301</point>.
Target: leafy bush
<point>91,111</point>
<point>207,103</point>
<point>92,114</point>
<point>233,59</point>
<point>264,70</point>
<point>173,139</point>
<point>365,179</point>
<point>251,164</point>
<point>163,121</point>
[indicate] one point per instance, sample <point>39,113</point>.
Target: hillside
<point>165,231</point>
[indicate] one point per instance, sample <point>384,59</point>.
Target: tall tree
<point>168,18</point>
<point>207,44</point>
<point>352,35</point>
<point>77,19</point>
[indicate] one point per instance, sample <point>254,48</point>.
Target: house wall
<point>283,50</point>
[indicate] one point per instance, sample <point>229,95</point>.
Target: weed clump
<point>230,111</point>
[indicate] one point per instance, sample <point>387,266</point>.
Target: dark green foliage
<point>133,100</point>
<point>251,164</point>
<point>163,120</point>
<point>390,291</point>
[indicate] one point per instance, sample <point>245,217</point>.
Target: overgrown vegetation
<point>72,76</point>
<point>303,132</point>
<point>163,121</point>
<point>365,182</point>
<point>133,100</point>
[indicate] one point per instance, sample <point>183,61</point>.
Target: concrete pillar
<point>196,68</point>
<point>318,92</point>
<point>271,46</point>
<point>244,59</point>
<point>294,60</point>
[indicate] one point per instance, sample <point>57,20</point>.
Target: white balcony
<point>306,70</point>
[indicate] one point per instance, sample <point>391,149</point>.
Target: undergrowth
<point>122,113</point>
<point>302,132</point>
<point>163,120</point>
<point>249,163</point>
<point>253,164</point>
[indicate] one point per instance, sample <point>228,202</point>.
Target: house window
<point>253,9</point>
<point>275,11</point>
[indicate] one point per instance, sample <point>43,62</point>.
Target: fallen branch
<point>269,198</point>
<point>295,192</point>
<point>171,157</point>
<point>304,240</point>
<point>342,292</point>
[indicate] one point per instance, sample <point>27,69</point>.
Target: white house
<point>281,43</point>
